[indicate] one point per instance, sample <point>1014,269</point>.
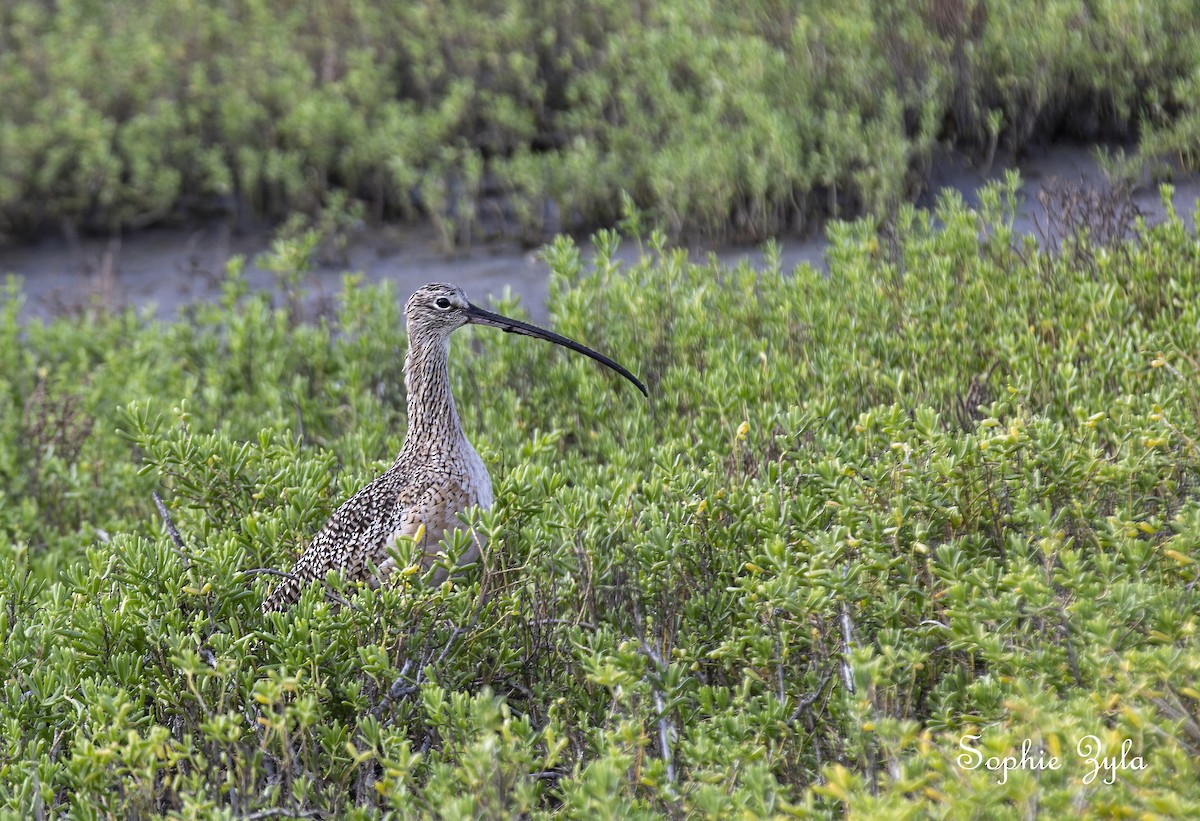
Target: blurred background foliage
<point>526,117</point>
<point>947,489</point>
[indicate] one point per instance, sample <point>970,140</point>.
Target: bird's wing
<point>356,535</point>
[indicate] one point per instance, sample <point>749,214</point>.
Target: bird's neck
<point>432,418</point>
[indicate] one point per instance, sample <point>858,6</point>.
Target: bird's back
<point>356,534</point>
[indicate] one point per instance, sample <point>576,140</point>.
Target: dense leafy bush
<point>947,490</point>
<point>516,117</point>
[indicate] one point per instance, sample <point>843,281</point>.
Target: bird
<point>436,476</point>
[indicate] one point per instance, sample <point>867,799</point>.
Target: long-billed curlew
<point>437,475</point>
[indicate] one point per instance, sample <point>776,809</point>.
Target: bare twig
<point>810,699</point>
<point>401,688</point>
<point>39,807</point>
<point>847,642</point>
<point>281,812</point>
<point>270,571</point>
<point>586,625</point>
<point>664,734</point>
<point>665,726</point>
<point>172,531</point>
<point>455,634</point>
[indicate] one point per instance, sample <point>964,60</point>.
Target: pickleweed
<point>945,536</point>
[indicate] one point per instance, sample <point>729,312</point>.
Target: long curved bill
<point>478,316</point>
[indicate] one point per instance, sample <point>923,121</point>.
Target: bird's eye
<point>443,303</point>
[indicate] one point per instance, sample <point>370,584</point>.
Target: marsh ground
<point>169,268</point>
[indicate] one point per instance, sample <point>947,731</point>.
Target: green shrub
<point>516,118</point>
<point>947,490</point>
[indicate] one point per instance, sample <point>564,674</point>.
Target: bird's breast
<point>478,482</point>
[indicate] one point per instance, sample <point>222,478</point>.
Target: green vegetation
<point>523,117</point>
<point>948,490</point>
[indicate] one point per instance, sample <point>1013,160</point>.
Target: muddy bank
<point>170,268</point>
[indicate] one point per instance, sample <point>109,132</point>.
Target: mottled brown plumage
<point>437,474</point>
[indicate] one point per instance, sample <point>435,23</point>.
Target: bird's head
<point>437,310</point>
